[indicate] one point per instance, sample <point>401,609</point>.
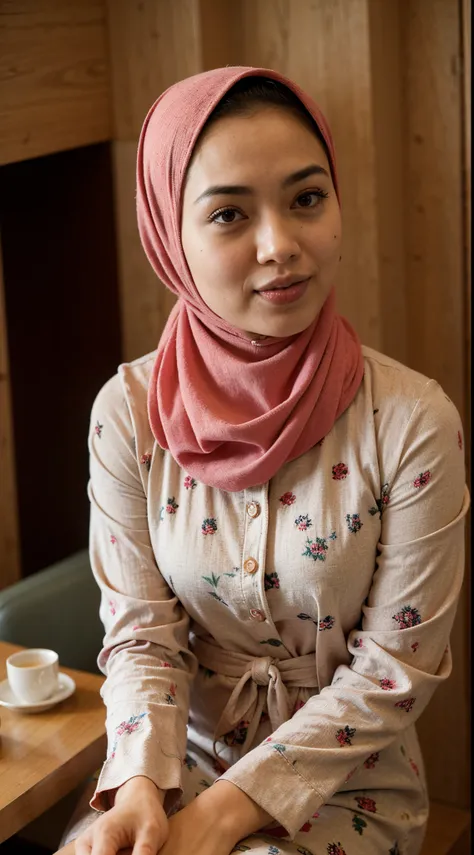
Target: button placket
<point>253,559</point>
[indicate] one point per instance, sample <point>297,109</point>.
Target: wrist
<point>233,811</point>
<point>140,786</point>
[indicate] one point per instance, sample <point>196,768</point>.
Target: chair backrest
<point>56,608</point>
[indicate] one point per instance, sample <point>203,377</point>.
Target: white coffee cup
<point>33,674</point>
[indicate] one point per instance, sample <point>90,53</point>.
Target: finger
<point>147,842</point>
<point>105,842</point>
<point>81,846</point>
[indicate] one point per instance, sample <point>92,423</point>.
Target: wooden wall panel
<point>145,302</point>
<point>152,44</point>
<point>9,534</point>
<point>436,304</point>
<point>54,87</point>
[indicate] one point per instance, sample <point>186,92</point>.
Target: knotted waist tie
<point>258,679</point>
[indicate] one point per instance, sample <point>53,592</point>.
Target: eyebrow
<point>242,190</point>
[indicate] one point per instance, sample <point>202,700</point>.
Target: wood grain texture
<point>446,828</point>
<point>435,295</point>
<point>44,756</point>
<point>10,570</point>
<point>153,43</point>
<point>54,85</point>
<point>145,301</point>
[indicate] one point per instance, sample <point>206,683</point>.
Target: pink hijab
<point>231,413</point>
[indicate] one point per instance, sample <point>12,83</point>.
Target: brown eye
<point>311,199</point>
<point>225,216</point>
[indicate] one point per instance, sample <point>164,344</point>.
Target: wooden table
<point>43,756</point>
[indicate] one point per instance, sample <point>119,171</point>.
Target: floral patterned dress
<point>286,637</point>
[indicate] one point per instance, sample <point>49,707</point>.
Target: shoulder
<point>403,393</point>
<point>390,377</point>
<point>122,400</point>
<point>416,423</point>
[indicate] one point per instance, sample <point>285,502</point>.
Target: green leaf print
<point>273,641</point>
<point>213,580</point>
<point>218,598</point>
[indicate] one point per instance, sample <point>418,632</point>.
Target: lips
<point>282,282</point>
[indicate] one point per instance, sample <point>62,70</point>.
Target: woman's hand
<point>137,823</point>
<point>214,822</point>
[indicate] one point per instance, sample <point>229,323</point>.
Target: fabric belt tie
<point>258,679</point>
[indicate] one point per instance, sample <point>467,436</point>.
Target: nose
<point>276,242</point>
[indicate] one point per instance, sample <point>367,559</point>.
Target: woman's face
<point>261,225</point>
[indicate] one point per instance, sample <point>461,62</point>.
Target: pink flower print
<point>287,499</point>
<point>303,522</point>
<point>407,617</point>
<point>366,804</point>
<point>315,815</point>
<point>171,506</point>
<point>371,761</point>
<point>344,735</point>
<point>414,767</point>
<point>129,726</point>
<point>170,697</point>
<point>382,502</point>
<point>135,627</point>
<point>460,440</point>
<point>387,684</point>
<point>298,706</point>
<point>353,523</point>
<point>326,623</point>
<point>406,705</point>
<point>358,823</point>
<point>306,827</point>
<point>358,642</point>
<point>219,769</point>
<point>113,539</point>
<point>340,471</point>
<point>316,549</point>
<point>189,483</point>
<point>98,429</point>
<point>415,646</point>
<point>112,607</point>
<point>238,735</point>
<point>335,849</point>
<point>146,460</point>
<point>422,479</point>
<point>271,581</point>
<point>209,526</point>
<point>166,664</point>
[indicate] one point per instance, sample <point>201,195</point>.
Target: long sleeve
<point>145,653</point>
<point>399,650</point>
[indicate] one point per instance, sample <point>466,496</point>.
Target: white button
<point>253,509</point>
<point>256,614</point>
<point>250,565</point>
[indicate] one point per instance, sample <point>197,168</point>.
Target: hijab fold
<point>230,411</point>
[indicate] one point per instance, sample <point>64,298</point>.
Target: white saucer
<point>65,689</point>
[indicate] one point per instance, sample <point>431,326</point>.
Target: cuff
<point>291,800</point>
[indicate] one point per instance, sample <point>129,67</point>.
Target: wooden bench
<point>448,831</point>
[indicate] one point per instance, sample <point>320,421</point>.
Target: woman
<point>277,513</point>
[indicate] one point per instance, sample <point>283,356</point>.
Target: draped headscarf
<point>230,413</point>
